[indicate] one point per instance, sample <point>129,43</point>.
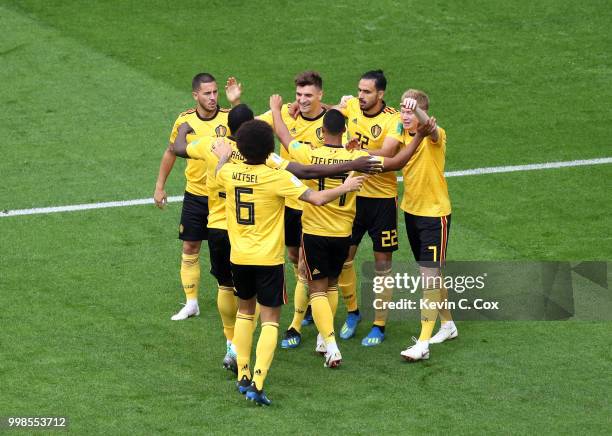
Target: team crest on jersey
<point>221,130</point>
<point>354,120</point>
<point>319,133</point>
<point>293,131</point>
<point>376,130</point>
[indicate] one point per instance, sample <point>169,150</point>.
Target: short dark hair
<point>200,78</point>
<point>333,121</point>
<point>237,116</point>
<point>309,78</point>
<point>255,140</point>
<point>380,81</point>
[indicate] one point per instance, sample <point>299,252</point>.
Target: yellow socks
<point>380,315</point>
<point>429,315</point>
<point>243,341</point>
<point>332,298</point>
<point>445,314</point>
<point>348,285</point>
<point>227,303</point>
<point>300,301</point>
<point>265,352</point>
<point>322,314</point>
<point>190,275</point>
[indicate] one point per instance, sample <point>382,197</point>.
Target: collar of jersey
<point>315,118</point>
<point>207,119</point>
<point>333,146</point>
<point>377,113</point>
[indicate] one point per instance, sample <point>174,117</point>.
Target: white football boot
<point>448,330</point>
<point>419,351</point>
<point>333,358</point>
<point>321,347</point>
<point>190,308</point>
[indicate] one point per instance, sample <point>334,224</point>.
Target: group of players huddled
<point>333,181</point>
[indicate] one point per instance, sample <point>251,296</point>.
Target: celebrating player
<point>306,127</point>
<point>206,119</point>
<point>255,207</point>
<point>427,212</point>
<point>218,240</point>
<point>370,120</point>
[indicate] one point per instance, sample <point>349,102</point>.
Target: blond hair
<point>421,98</point>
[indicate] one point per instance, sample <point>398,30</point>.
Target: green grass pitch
<point>88,95</point>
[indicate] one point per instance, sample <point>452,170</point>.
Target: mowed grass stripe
<point>178,198</point>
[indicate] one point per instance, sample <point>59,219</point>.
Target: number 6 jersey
<point>255,207</point>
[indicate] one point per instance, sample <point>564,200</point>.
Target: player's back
<point>336,217</point>
<point>255,200</point>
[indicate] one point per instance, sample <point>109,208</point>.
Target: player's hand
<point>344,100</point>
<point>353,183</point>
<point>367,165</point>
<point>222,149</point>
<point>276,102</point>
<point>185,129</point>
<point>233,90</point>
<point>409,103</point>
<point>160,197</point>
<point>293,109</point>
<point>353,144</point>
<point>427,128</point>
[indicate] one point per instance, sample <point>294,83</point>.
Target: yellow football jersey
<point>306,130</point>
<point>371,131</point>
<point>336,217</point>
<point>425,187</point>
<point>255,206</point>
<point>202,149</point>
<point>195,172</point>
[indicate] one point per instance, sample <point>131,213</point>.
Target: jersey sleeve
<point>276,162</point>
<point>300,152</point>
<point>289,186</point>
<point>269,119</point>
<point>222,175</point>
<point>352,105</point>
<point>175,126</point>
<point>200,148</point>
<point>397,132</point>
<point>441,138</point>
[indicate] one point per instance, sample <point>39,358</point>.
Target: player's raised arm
<point>388,149</point>
<point>179,146</point>
<point>280,128</point>
<point>233,91</point>
<point>320,198</point>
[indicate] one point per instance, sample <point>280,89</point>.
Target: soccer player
<point>370,120</point>
<point>207,119</point>
<point>218,240</point>
<point>255,208</point>
<point>427,212</point>
<point>327,230</point>
<point>306,127</point>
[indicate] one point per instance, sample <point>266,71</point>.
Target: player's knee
<point>191,247</point>
<point>347,265</point>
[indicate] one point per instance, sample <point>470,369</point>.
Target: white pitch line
<point>177,198</point>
